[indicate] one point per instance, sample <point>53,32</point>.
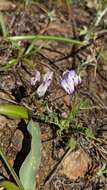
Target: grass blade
<point>47,38</point>
<point>15,177</point>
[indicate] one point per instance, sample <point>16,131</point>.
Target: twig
<point>8,100</point>
<point>52,50</point>
<point>94,107</point>
<point>72,53</point>
<point>50,61</point>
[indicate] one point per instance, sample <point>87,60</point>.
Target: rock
<point>17,140</point>
<point>76,164</point>
<point>6,5</point>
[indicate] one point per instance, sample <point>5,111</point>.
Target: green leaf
<point>31,164</point>
<point>9,65</point>
<point>103,55</point>
<point>14,111</point>
<point>47,38</point>
<point>9,185</point>
<point>89,133</point>
<point>64,123</point>
<point>72,143</point>
<point>100,15</point>
<point>102,170</point>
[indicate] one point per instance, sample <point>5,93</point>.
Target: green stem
<point>2,154</point>
<point>3,26</point>
<point>46,38</point>
<point>27,2</point>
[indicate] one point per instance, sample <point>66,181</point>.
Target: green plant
<point>52,117</point>
<point>33,38</point>
<point>29,168</point>
<point>72,143</point>
<point>22,53</point>
<point>14,111</point>
<point>100,15</point>
<point>15,177</point>
<point>27,2</point>
<point>46,38</point>
<point>64,123</point>
<point>87,132</point>
<point>9,185</point>
<point>8,65</point>
<point>3,26</point>
<point>103,170</point>
<point>103,55</point>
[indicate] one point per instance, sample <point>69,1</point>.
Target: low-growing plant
<point>52,117</point>
<point>23,54</point>
<point>64,123</point>
<point>102,170</point>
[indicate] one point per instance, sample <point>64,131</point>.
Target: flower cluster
<point>69,81</point>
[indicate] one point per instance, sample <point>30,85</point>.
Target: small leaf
<point>103,55</point>
<point>31,164</point>
<point>102,170</point>
<point>9,65</point>
<point>9,185</point>
<point>14,111</point>
<point>72,143</point>
<point>89,133</point>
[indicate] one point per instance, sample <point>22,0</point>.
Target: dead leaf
<point>76,164</point>
<point>6,5</point>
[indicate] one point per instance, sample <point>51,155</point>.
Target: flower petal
<point>70,80</point>
<point>72,73</point>
<point>47,79</point>
<point>68,86</point>
<point>35,78</point>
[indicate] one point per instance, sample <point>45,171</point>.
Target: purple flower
<point>47,79</point>
<point>35,78</point>
<point>70,80</point>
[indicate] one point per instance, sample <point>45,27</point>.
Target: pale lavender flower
<point>47,79</point>
<point>35,78</point>
<point>64,115</point>
<point>70,80</point>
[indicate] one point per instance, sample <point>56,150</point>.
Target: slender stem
<point>27,2</point>
<point>2,154</point>
<point>46,38</point>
